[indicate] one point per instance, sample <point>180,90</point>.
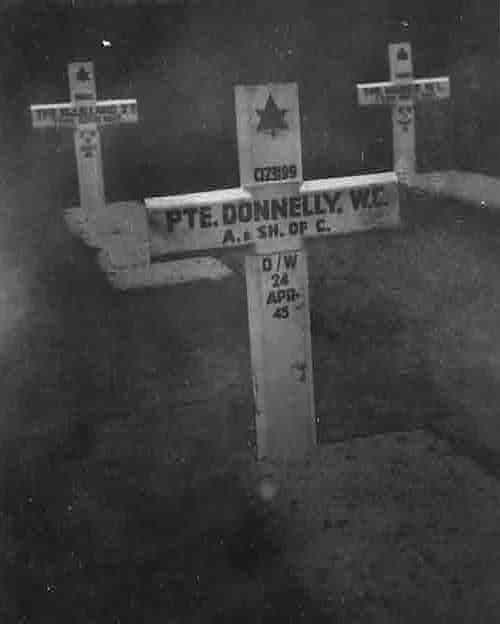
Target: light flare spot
<point>267,489</point>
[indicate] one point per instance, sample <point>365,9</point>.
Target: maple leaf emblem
<point>403,54</point>
<point>82,75</point>
<point>272,118</point>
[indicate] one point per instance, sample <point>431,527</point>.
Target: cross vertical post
<point>270,160</point>
<point>87,139</point>
<point>403,112</point>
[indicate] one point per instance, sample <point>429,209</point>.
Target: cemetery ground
<point>129,491</point>
<point>128,488</point>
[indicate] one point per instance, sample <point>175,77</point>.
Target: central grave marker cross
<point>85,115</point>
<point>401,93</point>
<point>274,210</point>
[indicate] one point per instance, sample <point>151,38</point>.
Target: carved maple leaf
<point>272,118</point>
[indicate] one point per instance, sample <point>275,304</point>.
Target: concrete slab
<point>467,186</point>
<point>122,237</point>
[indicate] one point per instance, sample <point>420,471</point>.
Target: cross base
<point>158,274</point>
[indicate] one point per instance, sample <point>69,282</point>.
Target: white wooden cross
<point>401,93</point>
<point>274,211</point>
<point>85,115</point>
<point>120,230</point>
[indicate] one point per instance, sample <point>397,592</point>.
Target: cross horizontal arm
<point>232,217</point>
<point>66,114</point>
<point>388,92</point>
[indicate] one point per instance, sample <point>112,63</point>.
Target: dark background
<point>124,414</point>
<point>182,62</point>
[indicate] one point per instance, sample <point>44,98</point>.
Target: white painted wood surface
<point>372,93</point>
<point>83,95</point>
<point>280,340</point>
<point>235,217</point>
<point>268,132</point>
<point>90,172</point>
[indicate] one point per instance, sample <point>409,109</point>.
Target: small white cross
<point>400,93</point>
<point>85,115</point>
